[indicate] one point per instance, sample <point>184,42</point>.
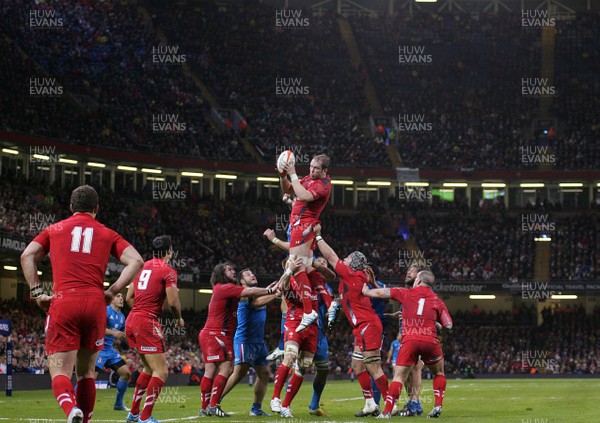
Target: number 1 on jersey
<point>144,279</point>
<point>421,305</point>
<point>76,233</point>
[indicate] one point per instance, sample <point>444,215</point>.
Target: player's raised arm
<point>266,299</point>
<point>320,265</point>
<point>286,186</point>
<point>270,235</point>
<point>383,293</point>
<point>326,251</point>
<point>133,264</point>
<point>32,255</point>
<point>302,193</point>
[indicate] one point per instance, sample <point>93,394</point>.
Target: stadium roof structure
<point>557,9</point>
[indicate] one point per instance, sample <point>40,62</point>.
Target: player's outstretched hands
<point>43,301</point>
<point>180,322</point>
<point>270,234</point>
<point>119,335</point>
<point>294,265</point>
<point>317,229</point>
<point>365,289</point>
<point>370,275</point>
<point>395,315</point>
<point>108,296</point>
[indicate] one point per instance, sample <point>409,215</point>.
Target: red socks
<point>62,388</point>
<point>304,282</point>
<point>280,378</point>
<point>439,386</point>
<point>292,389</point>
<point>217,390</point>
<point>205,388</point>
<point>86,397</point>
<point>140,390</point>
<point>382,385</point>
<point>392,396</point>
<point>365,383</point>
<point>154,388</point>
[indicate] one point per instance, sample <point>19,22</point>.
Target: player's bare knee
<point>304,364</point>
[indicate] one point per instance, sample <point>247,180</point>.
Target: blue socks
<point>121,388</point>
<point>317,391</point>
<point>376,393</point>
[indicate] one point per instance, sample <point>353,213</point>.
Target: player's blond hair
<point>323,159</point>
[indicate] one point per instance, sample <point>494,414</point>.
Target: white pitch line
<point>346,399</point>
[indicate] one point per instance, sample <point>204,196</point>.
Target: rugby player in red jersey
<point>367,327</point>
<point>216,338</point>
<point>312,193</point>
<point>414,382</point>
<point>146,295</point>
<point>79,248</point>
<point>423,312</point>
<point>299,347</point>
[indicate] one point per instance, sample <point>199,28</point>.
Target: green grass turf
<point>502,400</point>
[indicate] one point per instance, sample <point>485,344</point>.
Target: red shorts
<point>368,336</point>
<point>145,333</point>
<point>411,350</point>
<point>307,339</point>
<point>302,233</point>
<point>74,323</point>
<point>215,346</point>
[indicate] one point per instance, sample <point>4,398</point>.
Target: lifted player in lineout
<point>423,312</point>
<point>312,193</point>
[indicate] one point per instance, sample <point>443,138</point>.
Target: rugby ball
<point>284,158</point>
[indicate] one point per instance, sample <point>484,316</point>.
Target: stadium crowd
<point>109,60</point>
<point>575,252</point>
<point>116,89</point>
<point>470,96</point>
<point>231,228</point>
<point>255,69</point>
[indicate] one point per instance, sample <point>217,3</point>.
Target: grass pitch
<point>500,400</point>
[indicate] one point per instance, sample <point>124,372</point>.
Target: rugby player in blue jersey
<point>109,357</point>
<point>249,342</point>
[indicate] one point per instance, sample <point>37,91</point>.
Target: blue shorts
<point>109,359</point>
<point>253,354</point>
<point>322,353</point>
